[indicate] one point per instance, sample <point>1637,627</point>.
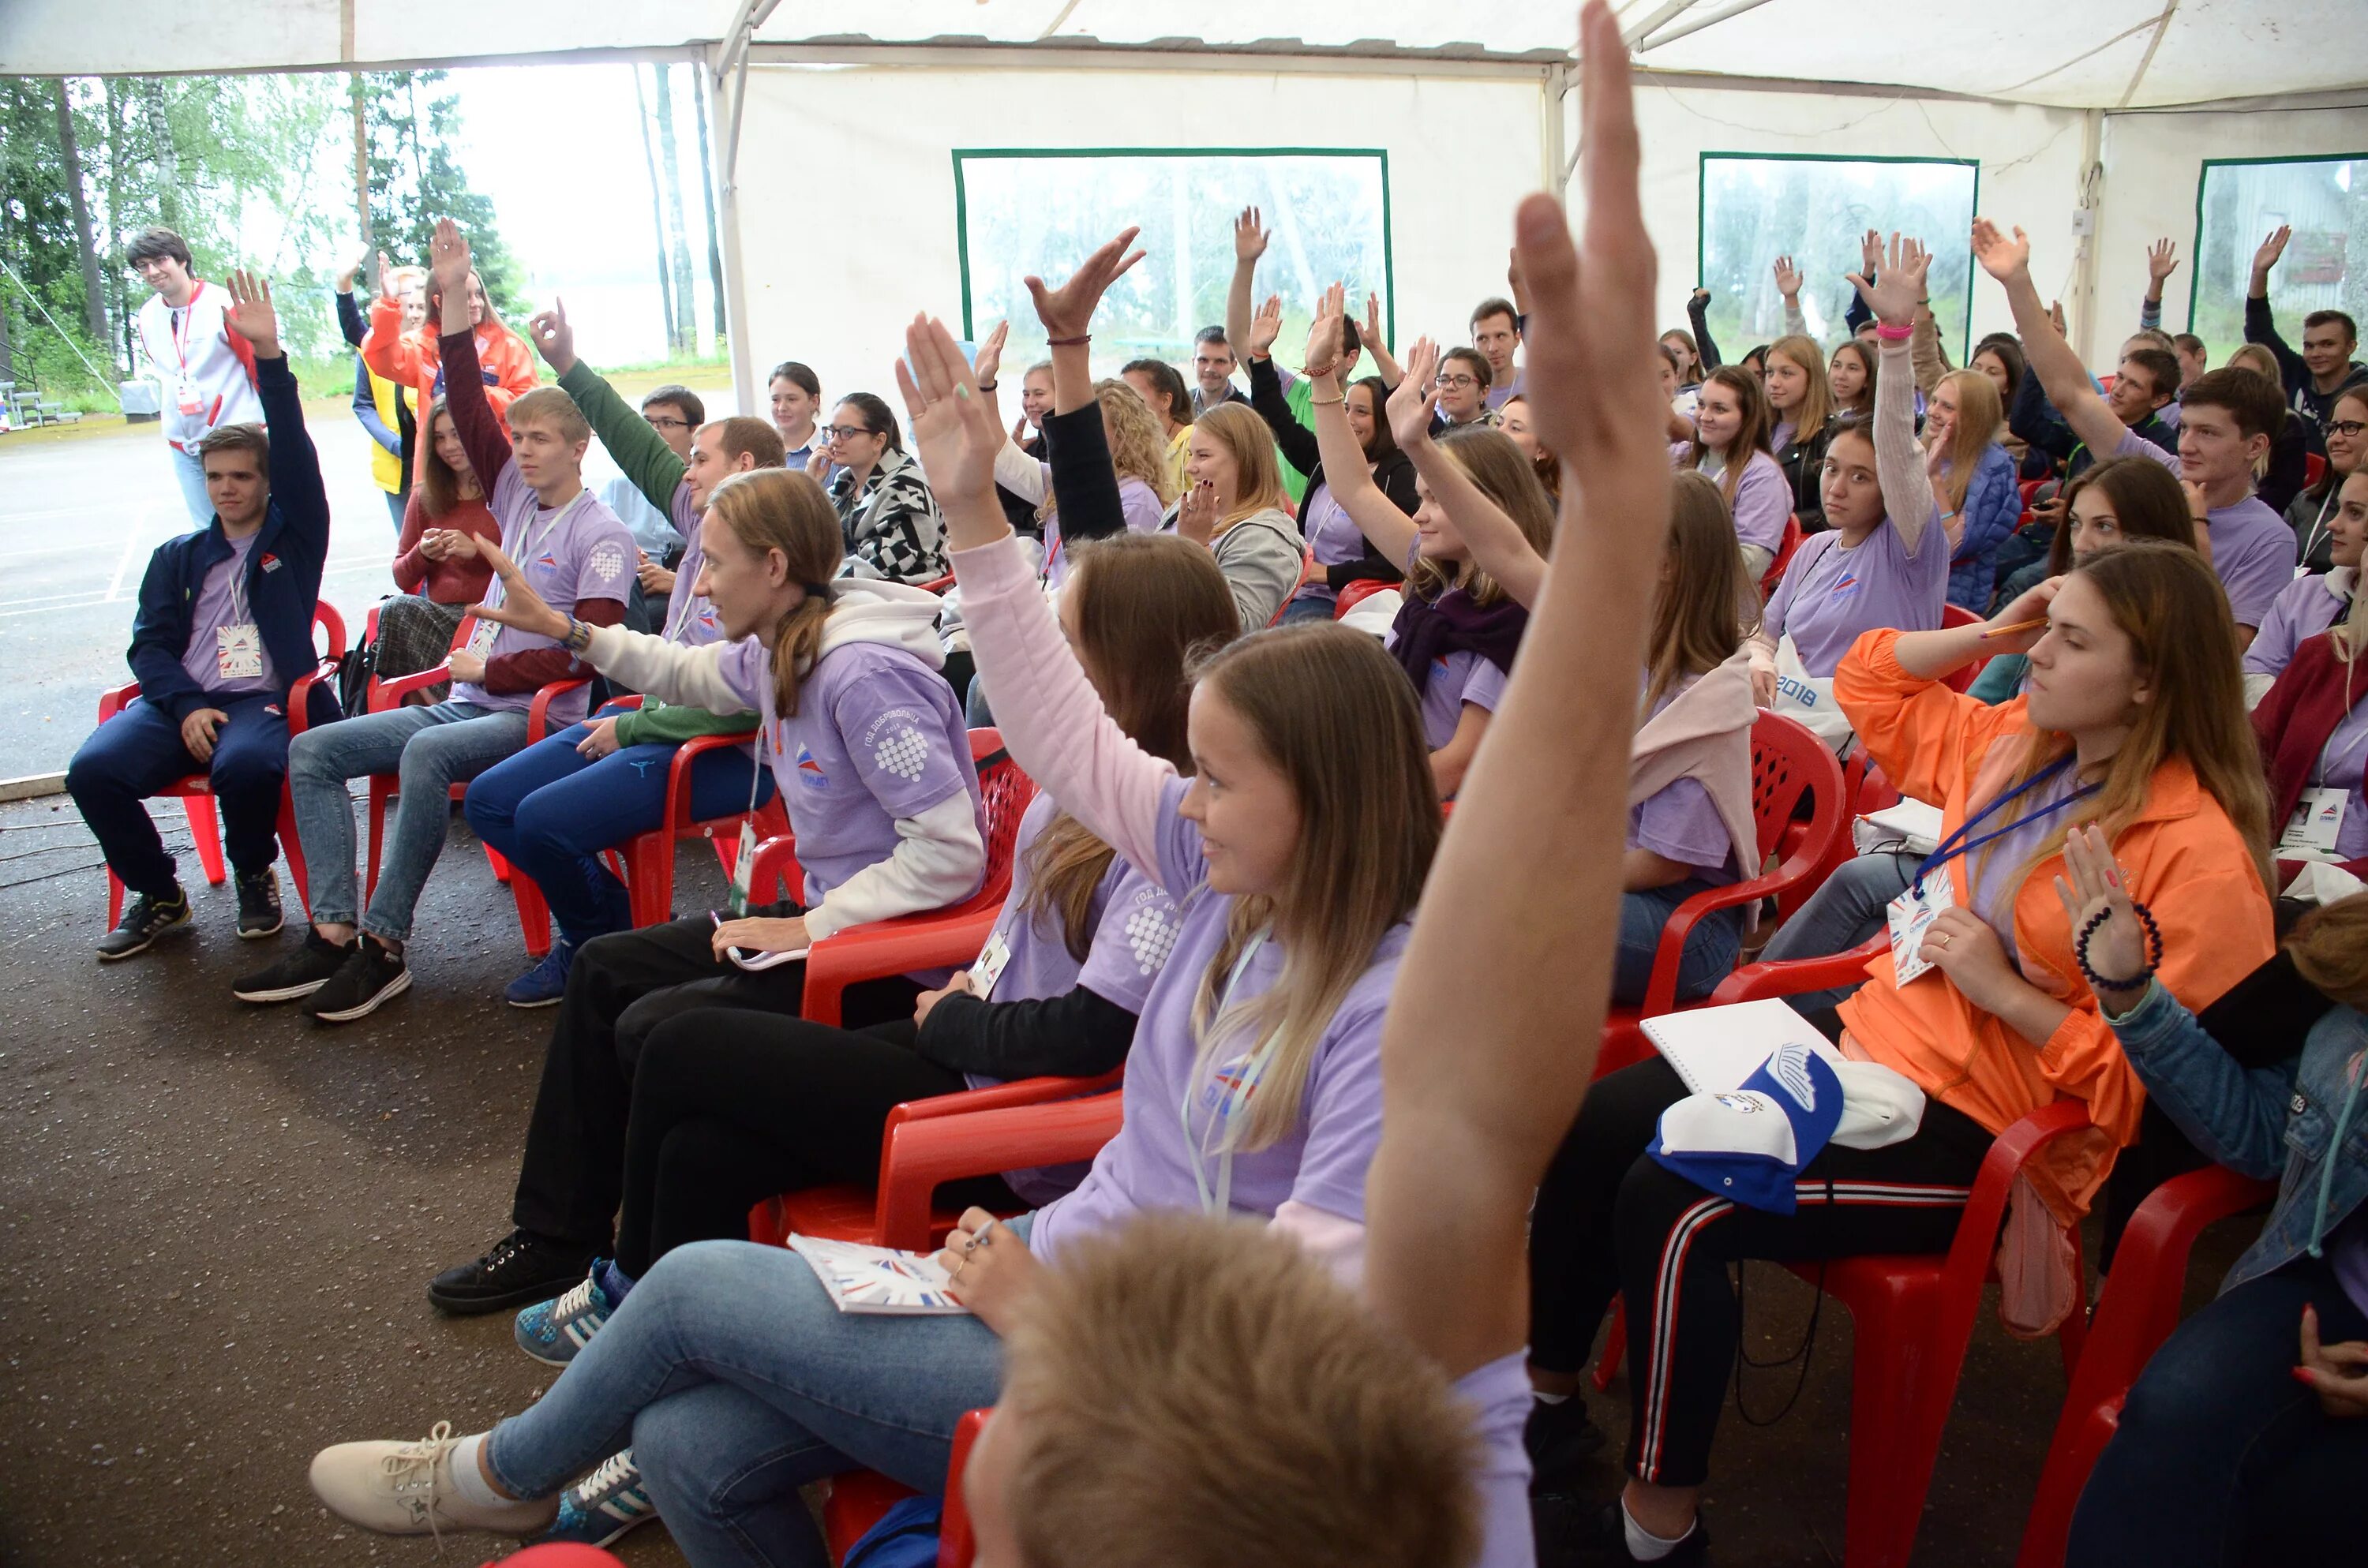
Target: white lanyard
<point>238,564</point>
<point>679,612</point>
<point>2318,525</point>
<point>525,554</point>
<point>1235,1096</point>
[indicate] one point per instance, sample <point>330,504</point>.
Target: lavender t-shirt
<point>221,601</point>
<point>691,619</point>
<point>1333,535</point>
<point>877,737</point>
<point>2305,607</point>
<point>1830,593</point>
<point>2252,547</point>
<point>1498,1394</point>
<point>2341,762</point>
<point>1148,1167</point>
<point>1680,821</point>
<point>1763,500</point>
<point>1984,882</point>
<point>1457,678</point>
<point>579,551</point>
<point>1137,502</point>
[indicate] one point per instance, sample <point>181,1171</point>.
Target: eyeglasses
<point>2348,429</point>
<point>660,422</point>
<point>844,432</point>
<point>1457,381</point>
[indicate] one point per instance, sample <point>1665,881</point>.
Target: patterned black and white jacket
<point>892,524</point>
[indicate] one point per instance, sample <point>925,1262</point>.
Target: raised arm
<point>2162,260</point>
<point>2260,326</point>
<point>1249,244</point>
<point>350,326</point>
<point>1295,441</point>
<point>1384,365</point>
<point>1496,545</point>
<point>1898,460</point>
<point>2061,374</point>
<point>296,486</point>
<point>641,453</point>
<point>465,389</point>
<point>1391,531</point>
<point>1698,312</point>
<point>387,349</point>
<point>1470,1131</point>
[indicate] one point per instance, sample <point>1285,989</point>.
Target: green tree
<point>411,121</point>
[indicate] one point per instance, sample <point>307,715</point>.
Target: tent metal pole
<point>2092,190</point>
<point>736,272</point>
<point>1552,94</point>
<point>1696,24</point>
<point>1663,15</point>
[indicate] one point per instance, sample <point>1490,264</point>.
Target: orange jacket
<point>2185,861</point>
<point>417,361</point>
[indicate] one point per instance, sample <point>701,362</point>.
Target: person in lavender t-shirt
<point>576,554</point>
<point>2228,419</point>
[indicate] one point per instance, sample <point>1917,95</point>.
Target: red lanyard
<point>181,328</point>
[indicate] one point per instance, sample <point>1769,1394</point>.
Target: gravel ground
<point>217,1220</point>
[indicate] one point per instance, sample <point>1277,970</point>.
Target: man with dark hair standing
<point>224,627</point>
<point>1213,371</point>
<point>207,370</point>
<point>1496,333</point>
<point>2324,369</point>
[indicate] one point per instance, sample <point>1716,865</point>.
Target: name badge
<point>185,396</point>
<point>989,966</point>
<point>481,641</point>
<point>238,651</point>
<point>744,865</point>
<point>2316,821</point>
<point>1911,916</point>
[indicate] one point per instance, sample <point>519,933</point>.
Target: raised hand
<point>1372,334</point>
<point>989,358</point>
<point>1324,340</point>
<point>2272,248</point>
<point>386,279</point>
<point>250,314</point>
<point>1249,237</point>
<point>554,339</point>
<point>2002,258</point>
<point>1068,311</point>
<point>2055,319</point>
<point>521,606</point>
<point>1788,277</point>
<point>1894,293</point>
<point>447,258</point>
<point>1870,250</point>
<point>1516,282</point>
<point>2092,888</point>
<point>1264,327</point>
<point>1415,403</point>
<point>953,430</point>
<point>2162,260</point>
<point>352,269</point>
<point>1701,296</point>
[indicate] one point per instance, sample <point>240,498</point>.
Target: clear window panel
<point>1042,214</point>
<point>1815,210</point>
<point>2325,200</point>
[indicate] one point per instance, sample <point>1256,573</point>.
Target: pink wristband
<point>1893,333</point>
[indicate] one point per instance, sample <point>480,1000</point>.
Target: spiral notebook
<point>861,1279</point>
<point>1714,1049</point>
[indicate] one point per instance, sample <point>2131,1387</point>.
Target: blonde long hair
<point>2181,635</point>
<point>1338,718</point>
<point>776,508</point>
<point>1979,415</point>
<point>1817,402</point>
<point>1706,604</point>
<point>1138,447</point>
<point>1489,457</point>
<point>1257,471</point>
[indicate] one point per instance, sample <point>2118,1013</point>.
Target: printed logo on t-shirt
<point>1151,936</point>
<point>1229,1088</point>
<point>1846,585</point>
<point>607,563</point>
<point>903,751</point>
<point>810,772</point>
<point>547,558</point>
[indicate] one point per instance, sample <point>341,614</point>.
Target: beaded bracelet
<point>2154,949</point>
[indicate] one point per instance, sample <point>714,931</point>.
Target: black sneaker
<point>372,974</point>
<point>1559,1438</point>
<point>258,904</point>
<point>301,973</point>
<point>517,1272</point>
<point>145,920</point>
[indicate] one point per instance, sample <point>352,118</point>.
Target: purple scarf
<point>1429,629</point>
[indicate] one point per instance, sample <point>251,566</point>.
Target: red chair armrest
<point>326,616</point>
<point>538,714</point>
<point>776,866</point>
<point>631,699</point>
<point>1000,1097</point>
<point>387,694</point>
<point>918,1156</point>
<point>111,702</point>
<point>1753,982</point>
<point>370,625</point>
<point>1969,1256</point>
<point>677,801</point>
<point>300,696</point>
<point>935,940</point>
<point>2139,1305</point>
<point>1661,990</point>
<point>957,1544</point>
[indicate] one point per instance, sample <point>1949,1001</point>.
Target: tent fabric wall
<point>847,193</point>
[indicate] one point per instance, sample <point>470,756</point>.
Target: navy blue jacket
<point>283,569</point>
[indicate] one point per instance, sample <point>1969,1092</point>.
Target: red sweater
<point>446,582</point>
<point>2293,722</point>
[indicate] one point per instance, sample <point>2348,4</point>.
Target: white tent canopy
<point>2091,120</point>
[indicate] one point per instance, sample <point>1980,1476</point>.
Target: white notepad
<point>1715,1049</point>
<point>863,1278</point>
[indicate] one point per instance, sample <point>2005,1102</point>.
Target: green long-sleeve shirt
<point>646,460</point>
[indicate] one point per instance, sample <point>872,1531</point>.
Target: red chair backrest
<point>2314,469</point>
<point>1786,760</point>
<point>1357,592</point>
<point>1784,552</point>
<point>1006,791</point>
<point>2030,487</point>
<point>1960,679</point>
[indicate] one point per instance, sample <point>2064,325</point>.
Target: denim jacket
<point>2265,1122</point>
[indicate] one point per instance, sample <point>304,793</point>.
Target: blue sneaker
<point>546,983</point>
<point>604,1505</point>
<point>552,1331</point>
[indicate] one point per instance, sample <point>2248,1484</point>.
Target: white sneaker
<point>407,1489</point>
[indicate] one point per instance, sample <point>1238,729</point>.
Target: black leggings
<point>731,1107</point>
<point>1609,1216</point>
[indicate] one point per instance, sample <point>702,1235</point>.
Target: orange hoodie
<point>2185,861</point>
<point>417,361</point>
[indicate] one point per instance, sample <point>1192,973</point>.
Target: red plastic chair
<point>561,1554</point>
<point>1785,760</point>
<point>1357,592</point>
<point>2136,1312</point>
<point>939,585</point>
<point>1784,552</point>
<point>2314,469</point>
<point>857,1499</point>
<point>2030,487</point>
<point>196,793</point>
<point>1960,680</point>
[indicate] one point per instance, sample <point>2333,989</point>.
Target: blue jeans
<point>551,809</point>
<point>1309,609</point>
<point>140,751</point>
<point>2221,1456</point>
<point>1710,948</point>
<point>189,472</point>
<point>429,749</point>
<point>1848,909</point>
<point>734,1381</point>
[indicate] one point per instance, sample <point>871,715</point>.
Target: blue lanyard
<point>1957,844</point>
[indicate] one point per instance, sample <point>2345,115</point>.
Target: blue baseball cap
<point>1750,1142</point>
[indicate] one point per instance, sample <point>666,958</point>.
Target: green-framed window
<point>1041,209</point>
<point>2238,201</point>
<point>1755,207</point>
